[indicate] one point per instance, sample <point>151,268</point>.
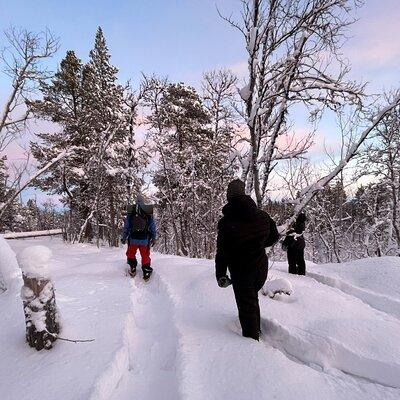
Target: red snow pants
<point>144,253</point>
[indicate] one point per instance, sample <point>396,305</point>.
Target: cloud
<point>375,42</point>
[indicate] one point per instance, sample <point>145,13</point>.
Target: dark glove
<point>153,242</point>
<point>123,241</point>
<point>224,281</point>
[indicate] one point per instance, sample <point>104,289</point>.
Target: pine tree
<point>190,174</point>
<point>88,104</point>
<point>63,104</point>
<point>112,143</point>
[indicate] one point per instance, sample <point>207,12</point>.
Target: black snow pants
<point>297,264</point>
<point>246,295</point>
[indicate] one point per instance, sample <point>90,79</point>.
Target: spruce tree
<point>88,104</point>
<point>184,142</point>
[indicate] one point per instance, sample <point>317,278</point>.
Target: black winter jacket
<point>243,233</point>
<point>294,239</point>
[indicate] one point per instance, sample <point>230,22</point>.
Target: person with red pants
<point>140,233</point>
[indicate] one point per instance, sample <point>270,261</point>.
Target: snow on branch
<point>32,178</point>
<point>308,193</point>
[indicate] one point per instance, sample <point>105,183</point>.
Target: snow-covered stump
<point>41,316</point>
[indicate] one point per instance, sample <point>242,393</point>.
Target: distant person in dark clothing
<point>244,232</point>
<point>294,244</point>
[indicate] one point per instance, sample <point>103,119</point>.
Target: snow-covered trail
<point>153,372</point>
<point>177,337</point>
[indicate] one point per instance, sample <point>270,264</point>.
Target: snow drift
<point>10,273</point>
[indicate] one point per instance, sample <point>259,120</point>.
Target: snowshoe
<point>132,272</point>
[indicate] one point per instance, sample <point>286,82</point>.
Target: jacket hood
<point>240,207</point>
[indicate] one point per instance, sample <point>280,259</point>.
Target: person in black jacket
<point>244,232</point>
<point>294,244</point>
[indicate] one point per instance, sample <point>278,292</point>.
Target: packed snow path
<point>177,336</point>
<point>152,372</point>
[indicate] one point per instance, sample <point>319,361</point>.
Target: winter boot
<point>132,266</point>
<point>147,271</point>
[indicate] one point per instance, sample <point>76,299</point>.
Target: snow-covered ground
<point>177,337</point>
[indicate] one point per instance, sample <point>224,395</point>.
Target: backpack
<point>139,224</point>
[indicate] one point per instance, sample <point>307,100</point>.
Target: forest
<point>107,140</point>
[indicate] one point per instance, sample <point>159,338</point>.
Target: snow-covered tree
<point>291,47</point>
<point>381,160</point>
<point>7,218</point>
<point>219,95</point>
<point>22,62</point>
<point>192,140</point>
<point>90,107</point>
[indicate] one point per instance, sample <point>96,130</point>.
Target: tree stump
<point>41,316</point>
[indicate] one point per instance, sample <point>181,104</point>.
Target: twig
<point>75,340</point>
<point>70,340</point>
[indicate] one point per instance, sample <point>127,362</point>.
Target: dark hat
<point>301,217</point>
<point>235,188</point>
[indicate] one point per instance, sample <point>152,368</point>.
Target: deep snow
<point>177,337</point>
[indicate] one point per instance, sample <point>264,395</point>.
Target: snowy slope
<point>376,281</point>
<point>177,337</point>
<point>94,303</point>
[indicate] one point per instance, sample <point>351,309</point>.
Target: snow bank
<point>9,269</point>
<point>34,262</point>
<point>375,281</point>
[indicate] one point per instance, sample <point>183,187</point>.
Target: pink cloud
<point>375,42</point>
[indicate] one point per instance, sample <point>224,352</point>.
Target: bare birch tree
<point>291,48</point>
<point>22,59</point>
<point>381,160</point>
<point>22,63</point>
